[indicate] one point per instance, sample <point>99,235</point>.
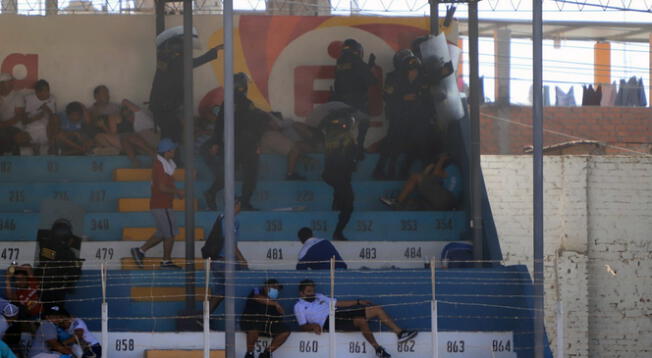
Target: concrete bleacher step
<point>163,294</point>
<point>261,255</point>
<point>182,353</point>
<point>154,263</point>
<point>126,174</point>
<point>144,233</point>
<point>45,169</point>
<point>104,196</point>
<point>131,205</point>
<point>267,225</point>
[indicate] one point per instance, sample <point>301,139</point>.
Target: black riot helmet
<point>416,46</point>
<point>405,60</point>
<point>61,230</point>
<point>241,83</point>
<point>354,47</point>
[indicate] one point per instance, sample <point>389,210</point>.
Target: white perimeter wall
<point>598,251</point>
<point>76,53</point>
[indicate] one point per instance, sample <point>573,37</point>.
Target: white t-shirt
<point>143,121</point>
<point>38,129</point>
<point>88,336</point>
<point>313,312</point>
<point>9,104</point>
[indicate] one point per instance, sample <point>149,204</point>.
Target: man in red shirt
<point>24,290</point>
<point>160,205</point>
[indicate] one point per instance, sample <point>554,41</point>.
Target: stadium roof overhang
<point>567,30</point>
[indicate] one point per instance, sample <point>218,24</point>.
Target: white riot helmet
<point>177,31</point>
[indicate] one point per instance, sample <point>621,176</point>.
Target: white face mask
<point>272,293</point>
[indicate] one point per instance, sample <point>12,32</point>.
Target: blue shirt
<point>5,351</point>
<point>453,180</point>
<point>316,254</point>
<point>66,125</point>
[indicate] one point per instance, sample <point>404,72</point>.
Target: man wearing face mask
<point>312,311</point>
<point>263,315</point>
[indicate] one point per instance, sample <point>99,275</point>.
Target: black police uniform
<point>250,123</point>
<point>353,77</point>
<point>166,96</point>
<point>342,152</point>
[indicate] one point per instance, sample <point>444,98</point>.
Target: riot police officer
<point>166,96</point>
<point>353,76</point>
<point>342,150</point>
<point>250,123</point>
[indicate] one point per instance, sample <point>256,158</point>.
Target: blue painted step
<point>100,168</point>
<point>490,299</point>
<point>266,225</point>
<point>103,196</point>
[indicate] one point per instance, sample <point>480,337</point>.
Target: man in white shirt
<point>40,107</point>
<point>142,121</point>
<point>312,311</point>
<point>82,335</point>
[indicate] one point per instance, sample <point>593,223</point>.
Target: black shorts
<point>344,317</point>
<point>266,325</point>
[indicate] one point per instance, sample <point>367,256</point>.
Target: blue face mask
<point>272,293</point>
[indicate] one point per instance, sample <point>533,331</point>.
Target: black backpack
<point>215,240</point>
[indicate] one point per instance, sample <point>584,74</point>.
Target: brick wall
<point>598,212</point>
<point>617,126</point>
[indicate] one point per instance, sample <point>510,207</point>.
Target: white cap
<point>178,31</point>
<point>10,310</point>
<point>6,77</point>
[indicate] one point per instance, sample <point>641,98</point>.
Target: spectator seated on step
<point>46,343</point>
<point>74,134</point>
<point>437,188</point>
<point>316,253</point>
<point>77,333</point>
<point>103,105</point>
<point>263,315</point>
<point>12,115</point>
<point>40,108</point>
<point>142,121</point>
<point>8,315</point>
<point>312,313</point>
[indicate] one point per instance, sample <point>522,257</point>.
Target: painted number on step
<point>309,346</point>
<point>319,225</point>
<point>409,225</point>
<point>10,253</point>
<point>357,347</point>
<point>405,347</point>
<point>444,224</point>
<point>274,254</point>
<point>61,195</point>
<point>100,224</point>
<point>98,195</point>
<point>412,253</point>
<point>16,196</point>
<point>364,225</point>
<point>97,167</point>
<point>368,253</point>
<point>53,167</point>
<point>273,225</point>
<point>498,345</point>
<point>104,253</point>
<point>5,167</point>
<point>304,196</point>
<point>124,345</point>
<point>7,225</point>
<point>261,345</point>
<point>455,346</point>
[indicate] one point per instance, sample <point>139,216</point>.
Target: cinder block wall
<point>598,220</point>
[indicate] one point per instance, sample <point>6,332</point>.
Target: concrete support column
<point>602,63</point>
<point>9,6</point>
<point>51,7</point>
<point>649,90</point>
<point>502,54</point>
